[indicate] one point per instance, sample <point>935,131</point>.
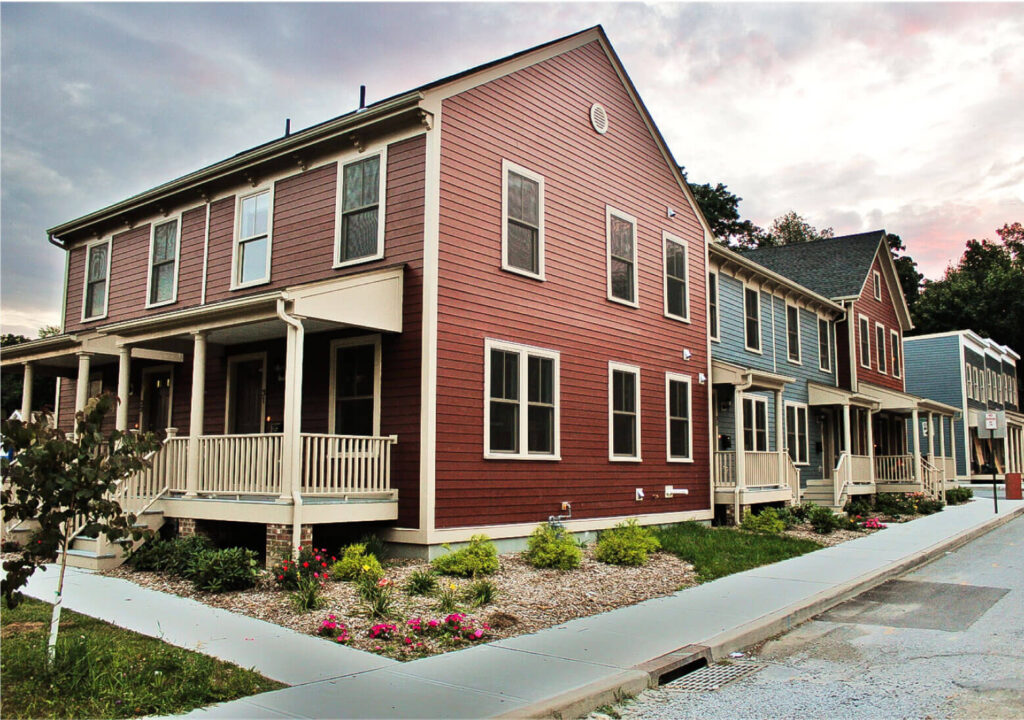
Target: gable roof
<point>401,104</point>
<point>835,267</point>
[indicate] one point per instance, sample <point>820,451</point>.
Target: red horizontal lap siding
<point>882,311</point>
<point>539,118</point>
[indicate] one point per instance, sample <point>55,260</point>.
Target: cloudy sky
<point>908,117</point>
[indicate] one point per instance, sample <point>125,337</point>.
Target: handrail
<point>841,478</point>
<point>792,477</point>
<point>931,480</point>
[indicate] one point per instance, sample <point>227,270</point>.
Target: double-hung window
<point>967,381</point>
<point>880,346</point>
<point>623,412</point>
<point>522,230</point>
<point>622,275</point>
<point>864,330</point>
<point>677,274</point>
<point>361,216</point>
<point>897,350</point>
<point>796,433</point>
<point>521,415</point>
<point>97,275</point>
<point>163,263</point>
<point>713,305</point>
<point>752,314</point>
<point>755,424</point>
<point>793,333</point>
<point>877,282</point>
<point>252,243</point>
<point>677,408</point>
<point>824,354</point>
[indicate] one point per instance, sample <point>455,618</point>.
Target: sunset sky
<point>858,116</point>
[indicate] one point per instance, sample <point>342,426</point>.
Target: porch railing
<point>761,469</point>
<point>171,463</point>
<point>931,480</point>
<point>346,464</point>
<point>894,468</point>
<point>240,464</point>
<point>948,467</point>
<point>860,469</point>
<point>840,479</point>
<point>725,468</point>
<point>792,477</point>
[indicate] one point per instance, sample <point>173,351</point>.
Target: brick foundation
<point>186,527</point>
<point>279,541</point>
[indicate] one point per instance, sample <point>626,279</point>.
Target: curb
<point>580,701</point>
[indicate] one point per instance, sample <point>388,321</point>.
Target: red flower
<point>305,564</point>
<point>280,577</point>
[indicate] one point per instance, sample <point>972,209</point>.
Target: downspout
<point>737,421</point>
<point>296,408</point>
<point>775,352</point>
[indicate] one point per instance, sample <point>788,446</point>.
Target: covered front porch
<point>751,466</point>
<point>255,430</point>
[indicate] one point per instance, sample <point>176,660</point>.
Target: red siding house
<point>867,414</point>
<point>466,308</point>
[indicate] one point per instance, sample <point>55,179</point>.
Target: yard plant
<point>958,495</point>
<point>479,557</point>
<point>356,562</point>
<point>551,546</point>
<point>767,522</point>
<point>626,544</point>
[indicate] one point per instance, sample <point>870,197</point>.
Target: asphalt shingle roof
<point>834,267</point>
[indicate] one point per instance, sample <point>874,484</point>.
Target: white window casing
<point>824,346</point>
<point>517,212</point>
<point>622,258</point>
<point>897,353</point>
<point>529,402</point>
<point>93,281</point>
<point>864,340</point>
<point>755,421</point>
<point>675,265</point>
<point>797,439</point>
<point>249,236</point>
<point>877,283</point>
<point>880,350</point>
<point>752,318</point>
<point>623,412</point>
<point>363,205</point>
<point>793,344</point>
<point>332,398</point>
<point>678,418</point>
<point>713,307</point>
<point>163,262</point>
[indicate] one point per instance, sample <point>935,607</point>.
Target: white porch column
<point>871,447</point>
<point>196,413</point>
<point>779,439</point>
<point>291,442</point>
<point>952,442</point>
<point>82,386</point>
<point>26,393</point>
<point>741,476</point>
<point>847,440</point>
<point>942,438</point>
<point>916,435</point>
<point>124,358</point>
<point>931,438</point>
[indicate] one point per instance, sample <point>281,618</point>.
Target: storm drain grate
<point>712,677</point>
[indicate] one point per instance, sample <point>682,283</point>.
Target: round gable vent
<point>599,118</point>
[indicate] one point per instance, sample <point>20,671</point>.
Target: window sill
<point>616,458</point>
<point>501,456</point>
<point>754,350</point>
<point>683,461</point>
<point>791,361</point>
<point>94,319</point>
<point>678,318</point>
<point>358,261</point>
<point>627,303</point>
<point>164,303</point>
<point>250,284</point>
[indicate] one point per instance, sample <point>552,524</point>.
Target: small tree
<point>54,480</point>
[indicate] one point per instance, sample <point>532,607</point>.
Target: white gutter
<point>295,423</point>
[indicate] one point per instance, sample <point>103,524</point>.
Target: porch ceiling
<point>896,401</point>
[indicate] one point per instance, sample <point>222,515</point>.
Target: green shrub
<point>958,495</point>
<point>374,546</point>
<point>849,522</point>
<point>767,522</point>
<point>928,506</point>
<point>802,512</point>
<point>355,562</point>
<point>552,547</point>
<point>788,518</point>
<point>479,557</point>
<point>895,504</point>
<point>480,592</point>
<point>626,544</point>
<point>823,520</point>
<point>223,570</point>
<point>308,593</point>
<point>175,556</point>
<point>311,560</point>
<point>421,582</point>
<point>858,505</point>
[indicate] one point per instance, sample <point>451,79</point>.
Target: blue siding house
<point>771,339</point>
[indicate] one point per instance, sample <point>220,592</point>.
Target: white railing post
<point>196,416</point>
<point>124,356</point>
<point>871,448</point>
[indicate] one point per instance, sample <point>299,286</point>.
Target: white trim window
<point>880,348</point>
<point>96,286</point>
<point>360,210</point>
<point>752,318</point>
<point>678,426</point>
<point>620,231</point>
<point>877,283</point>
<point>713,305</point>
<point>522,220</point>
<point>252,239</point>
<point>623,412</point>
<point>793,334</point>
<point>677,277</point>
<point>755,423</point>
<point>164,246</point>
<point>967,381</point>
<point>897,354</point>
<point>796,433</point>
<point>824,351</point>
<point>864,332</point>
<point>521,402</point>
<point>354,386</point>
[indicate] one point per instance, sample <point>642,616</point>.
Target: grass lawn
<point>102,671</point>
<point>717,552</point>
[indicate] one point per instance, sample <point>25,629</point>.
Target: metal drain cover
<point>712,677</point>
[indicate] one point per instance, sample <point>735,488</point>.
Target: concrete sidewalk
<point>568,669</point>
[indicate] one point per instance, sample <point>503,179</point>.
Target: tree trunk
<point>51,645</point>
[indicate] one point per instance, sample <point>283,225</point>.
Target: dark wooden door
<point>156,401</point>
<point>247,397</point>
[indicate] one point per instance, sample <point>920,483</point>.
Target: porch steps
<point>20,532</point>
<point>820,492</point>
<point>98,553</point>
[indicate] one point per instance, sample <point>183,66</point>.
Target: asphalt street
<point>944,641</point>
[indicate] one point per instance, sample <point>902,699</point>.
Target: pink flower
<point>478,634</point>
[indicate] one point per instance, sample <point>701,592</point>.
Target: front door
<point>156,401</point>
<point>356,388</point>
<point>245,407</point>
<point>828,445</point>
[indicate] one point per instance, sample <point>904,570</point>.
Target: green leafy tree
<point>721,209</point>
<point>49,331</point>
<point>43,388</point>
<point>983,292</point>
<point>906,268</point>
<point>60,482</point>
<point>790,229</point>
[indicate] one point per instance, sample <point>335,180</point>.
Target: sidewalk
<point>568,669</point>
